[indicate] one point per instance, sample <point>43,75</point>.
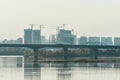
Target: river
<point>12,68</point>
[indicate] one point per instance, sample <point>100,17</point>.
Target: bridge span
<point>35,47</point>
<point>58,46</point>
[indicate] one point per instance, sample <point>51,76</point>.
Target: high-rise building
<point>65,37</point>
<point>36,37</point>
<point>82,40</point>
<point>27,36</point>
<point>93,40</point>
<point>117,41</point>
<point>43,40</point>
<point>52,39</point>
<point>32,36</point>
<point>106,41</point>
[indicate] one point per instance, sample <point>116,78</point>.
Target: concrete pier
<point>35,63</point>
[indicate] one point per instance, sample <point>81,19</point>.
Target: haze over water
<point>59,71</point>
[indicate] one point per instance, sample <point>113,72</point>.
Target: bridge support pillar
<point>65,55</point>
<point>95,53</point>
<point>35,63</point>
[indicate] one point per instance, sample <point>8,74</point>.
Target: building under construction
<point>32,36</point>
<point>65,37</point>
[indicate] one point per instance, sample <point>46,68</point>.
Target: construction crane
<point>64,26</point>
<point>58,33</point>
<point>58,28</point>
<point>36,25</point>
<point>31,25</point>
<point>41,26</point>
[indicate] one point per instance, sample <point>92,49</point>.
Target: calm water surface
<point>12,68</point>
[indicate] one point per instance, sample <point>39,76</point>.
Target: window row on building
<point>99,40</point>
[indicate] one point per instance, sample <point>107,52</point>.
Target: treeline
<point>73,54</point>
<point>53,54</point>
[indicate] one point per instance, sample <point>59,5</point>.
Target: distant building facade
<point>52,39</point>
<point>106,41</point>
<point>65,37</point>
<point>17,41</point>
<point>116,40</point>
<point>82,40</point>
<point>93,41</point>
<point>27,36</point>
<point>36,37</point>
<point>32,36</point>
<point>43,40</point>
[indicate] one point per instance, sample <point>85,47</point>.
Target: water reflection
<point>12,68</point>
<point>73,71</point>
<point>64,73</point>
<point>32,74</point>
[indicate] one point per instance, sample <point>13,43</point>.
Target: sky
<point>86,17</point>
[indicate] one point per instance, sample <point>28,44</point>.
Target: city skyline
<point>87,18</point>
<point>64,36</point>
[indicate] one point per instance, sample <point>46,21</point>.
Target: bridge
<point>35,47</point>
<point>58,46</point>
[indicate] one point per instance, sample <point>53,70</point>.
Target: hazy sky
<point>87,17</point>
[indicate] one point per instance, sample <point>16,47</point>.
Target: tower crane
<point>35,25</point>
<point>31,25</point>
<point>64,26</point>
<point>41,27</point>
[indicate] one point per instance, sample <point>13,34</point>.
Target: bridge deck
<point>57,46</point>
